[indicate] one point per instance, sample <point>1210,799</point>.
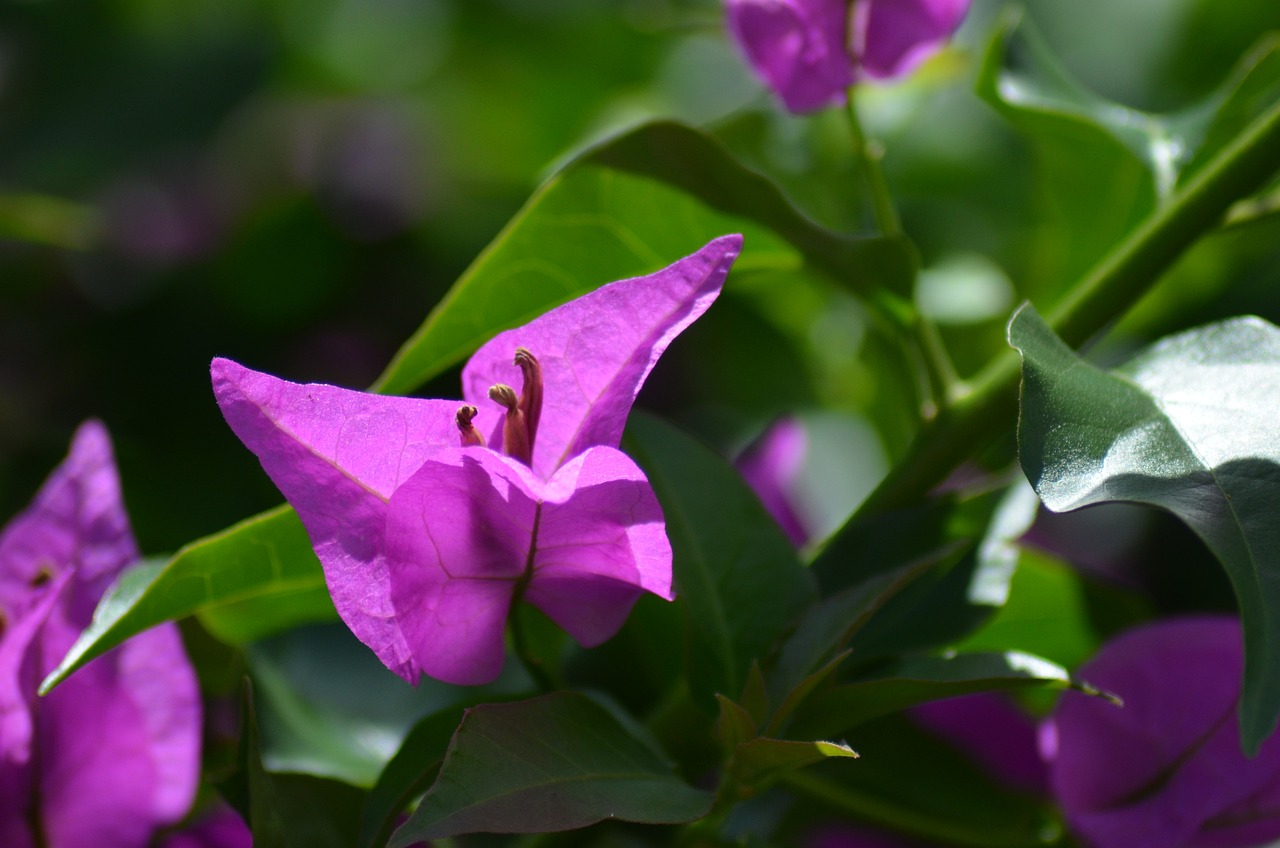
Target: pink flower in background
<point>1166,769</point>
<point>218,827</point>
<point>770,465</point>
<point>993,732</point>
<point>810,51</point>
<point>113,753</point>
<point>432,517</point>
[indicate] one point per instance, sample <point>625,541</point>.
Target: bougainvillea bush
<point>828,423</point>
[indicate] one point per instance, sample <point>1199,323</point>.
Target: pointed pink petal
<point>1158,770</point>
<point>601,544</point>
<point>798,47</point>
<point>338,455</point>
<point>597,350</point>
<point>892,37</point>
<point>77,520</point>
<point>458,537</point>
<point>20,673</point>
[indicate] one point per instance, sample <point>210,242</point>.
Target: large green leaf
<point>1189,426</point>
<point>630,207</point>
<point>553,763</point>
<point>737,576</point>
<point>255,578</point>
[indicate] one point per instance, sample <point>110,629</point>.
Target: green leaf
<point>41,219</point>
<point>630,207</point>
<point>548,764</point>
<point>761,761</point>
<point>316,684</point>
<point>1189,426</point>
<point>408,774</point>
<point>255,578</point>
<point>289,810</point>
<point>913,681</point>
<point>911,781</point>
<point>737,576</point>
<point>734,724</point>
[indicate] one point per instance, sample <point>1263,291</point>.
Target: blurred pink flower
<point>810,51</point>
<point>113,753</point>
<point>433,517</point>
<point>770,466</point>
<point>1165,769</point>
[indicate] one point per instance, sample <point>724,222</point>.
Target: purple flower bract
<point>810,51</point>
<point>113,753</point>
<point>431,517</point>
<point>1166,768</point>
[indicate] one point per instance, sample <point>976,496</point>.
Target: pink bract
<point>810,51</point>
<point>426,540</point>
<point>1167,768</point>
<point>113,753</point>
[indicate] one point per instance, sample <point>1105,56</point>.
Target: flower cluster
<point>433,517</point>
<point>811,51</point>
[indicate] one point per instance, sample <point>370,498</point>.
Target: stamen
<point>471,437</point>
<point>515,429</point>
<point>531,396</point>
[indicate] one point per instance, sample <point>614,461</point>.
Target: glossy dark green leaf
<point>553,763</point>
<point>630,207</point>
<point>1189,426</point>
<point>737,575</point>
<point>918,679</point>
<point>255,578</point>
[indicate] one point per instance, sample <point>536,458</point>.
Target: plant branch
<point>1118,281</point>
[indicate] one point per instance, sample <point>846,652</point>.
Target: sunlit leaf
<point>255,578</point>
<point>630,207</point>
<point>1189,426</point>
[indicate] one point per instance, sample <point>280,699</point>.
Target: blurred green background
<point>295,183</point>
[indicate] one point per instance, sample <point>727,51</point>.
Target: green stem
<point>866,156</point>
<point>1123,276</point>
<point>939,374</point>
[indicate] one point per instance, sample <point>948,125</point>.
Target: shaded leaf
<point>913,681</point>
<point>760,761</point>
<point>734,725</point>
<point>638,201</point>
<point>1189,426</point>
<point>553,763</point>
<point>255,578</point>
<point>737,576</point>
<point>911,781</point>
<point>408,774</point>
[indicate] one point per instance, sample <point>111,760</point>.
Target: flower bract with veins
<point>112,754</point>
<point>810,51</point>
<point>431,518</point>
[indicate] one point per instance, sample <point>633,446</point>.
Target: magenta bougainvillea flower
<point>810,51</point>
<point>432,517</point>
<point>1166,769</point>
<point>113,753</point>
<point>994,733</point>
